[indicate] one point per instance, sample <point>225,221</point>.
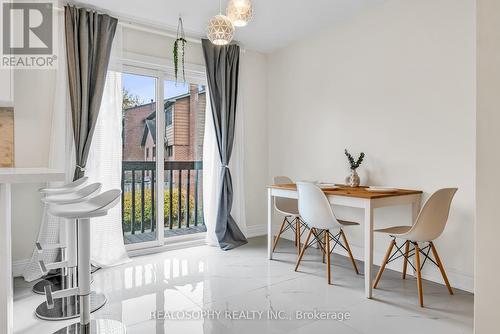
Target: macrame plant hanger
<point>179,51</point>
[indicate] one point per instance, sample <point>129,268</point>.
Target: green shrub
<point>127,209</point>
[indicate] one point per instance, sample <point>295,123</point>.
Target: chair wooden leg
<point>346,243</point>
<point>277,237</point>
<point>328,257</point>
<point>405,258</point>
<point>441,268</point>
<point>384,262</point>
<point>297,234</point>
<point>324,257</point>
<point>304,248</point>
<point>419,275</point>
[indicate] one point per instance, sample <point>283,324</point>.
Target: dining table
<point>356,197</point>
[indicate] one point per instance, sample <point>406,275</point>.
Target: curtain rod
<point>156,31</point>
<point>128,23</point>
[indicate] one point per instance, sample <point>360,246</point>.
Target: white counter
<point>29,175</point>
<point>9,176</point>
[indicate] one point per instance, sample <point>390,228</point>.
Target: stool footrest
<point>65,293</point>
<point>42,247</point>
<point>50,296</point>
<point>45,268</point>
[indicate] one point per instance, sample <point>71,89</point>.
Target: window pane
<point>184,106</point>
<point>139,155</point>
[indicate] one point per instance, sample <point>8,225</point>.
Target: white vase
<point>353,180</point>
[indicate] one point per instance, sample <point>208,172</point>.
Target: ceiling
<point>276,23</point>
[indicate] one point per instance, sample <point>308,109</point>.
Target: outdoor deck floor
<point>151,236</point>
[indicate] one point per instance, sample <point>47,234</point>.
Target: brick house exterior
<point>184,129</point>
<point>184,134</point>
<point>133,131</point>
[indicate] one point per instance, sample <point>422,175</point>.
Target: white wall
<point>254,98</point>
<point>397,82</point>
<point>6,95</point>
<point>33,98</point>
<point>488,160</point>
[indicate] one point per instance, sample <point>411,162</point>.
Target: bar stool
<point>289,208</point>
<point>54,277</point>
<point>68,307</point>
<point>66,188</point>
<point>97,206</point>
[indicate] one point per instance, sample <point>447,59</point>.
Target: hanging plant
<point>179,48</point>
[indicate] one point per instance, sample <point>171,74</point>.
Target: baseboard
<point>256,231</point>
<point>18,267</point>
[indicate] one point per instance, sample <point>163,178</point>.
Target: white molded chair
<point>289,208</point>
<point>317,213</point>
<point>97,206</point>
<point>428,226</point>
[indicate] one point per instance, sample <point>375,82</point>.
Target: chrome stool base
<point>98,326</point>
<point>68,307</point>
<point>55,281</point>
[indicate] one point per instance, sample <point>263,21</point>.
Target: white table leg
<point>415,210</point>
<point>368,249</point>
<point>6,289</point>
<point>269,224</point>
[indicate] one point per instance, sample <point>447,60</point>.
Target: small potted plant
<point>353,179</point>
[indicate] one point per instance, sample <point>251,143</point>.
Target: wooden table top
<point>359,192</point>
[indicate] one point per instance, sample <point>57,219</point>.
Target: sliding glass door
<point>162,158</point>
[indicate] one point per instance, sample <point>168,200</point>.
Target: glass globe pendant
<point>239,12</point>
<point>220,30</point>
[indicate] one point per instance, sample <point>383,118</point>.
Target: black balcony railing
<point>182,195</point>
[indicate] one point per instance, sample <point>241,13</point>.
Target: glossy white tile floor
<point>208,279</point>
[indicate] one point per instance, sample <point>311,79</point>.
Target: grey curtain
<point>89,37</point>
<point>222,65</point>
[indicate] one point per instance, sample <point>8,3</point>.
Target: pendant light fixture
<point>220,29</point>
<point>239,12</point>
